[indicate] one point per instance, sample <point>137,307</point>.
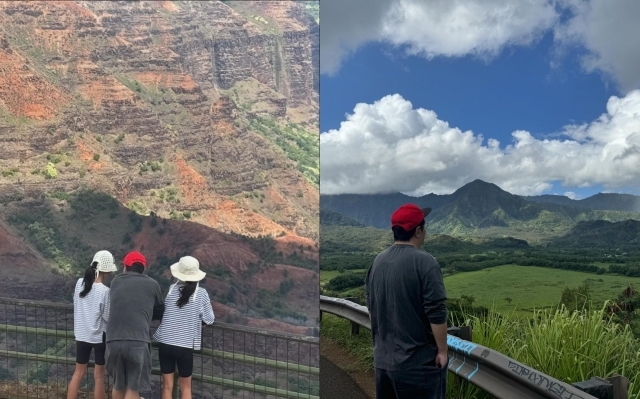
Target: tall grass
<point>569,346</point>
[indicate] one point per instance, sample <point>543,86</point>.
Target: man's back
<point>405,293</point>
<point>133,297</point>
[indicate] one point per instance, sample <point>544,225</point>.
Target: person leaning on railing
<point>187,307</point>
<point>90,317</point>
<point>136,299</point>
<point>406,297</point>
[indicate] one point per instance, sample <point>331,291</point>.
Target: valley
<point>511,265</point>
<point>167,127</point>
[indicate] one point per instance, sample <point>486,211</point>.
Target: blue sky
<point>540,87</point>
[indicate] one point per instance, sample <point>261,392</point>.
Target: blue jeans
<point>425,382</point>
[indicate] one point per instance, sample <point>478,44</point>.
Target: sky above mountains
<point>536,96</point>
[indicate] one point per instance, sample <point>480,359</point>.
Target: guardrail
<point>491,371</point>
<point>37,341</point>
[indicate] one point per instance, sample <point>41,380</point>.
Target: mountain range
<point>600,201</point>
<point>207,107</point>
<point>484,209</point>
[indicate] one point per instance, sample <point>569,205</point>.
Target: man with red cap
<point>406,300</point>
<point>135,300</point>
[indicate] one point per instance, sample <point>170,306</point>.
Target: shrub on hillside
<point>88,203</point>
<point>345,281</point>
<point>50,172</point>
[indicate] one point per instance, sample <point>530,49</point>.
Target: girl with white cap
<point>90,317</point>
<point>187,307</point>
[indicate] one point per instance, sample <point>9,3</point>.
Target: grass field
<point>530,287</point>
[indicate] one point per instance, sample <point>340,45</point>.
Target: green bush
<point>345,281</point>
<point>88,203</point>
<point>50,172</point>
<point>61,195</point>
<point>96,157</point>
<point>10,172</point>
<point>286,286</point>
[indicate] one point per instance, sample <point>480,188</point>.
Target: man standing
<point>406,300</point>
<point>136,299</point>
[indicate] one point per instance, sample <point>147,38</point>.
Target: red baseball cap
<point>133,257</point>
<point>409,216</point>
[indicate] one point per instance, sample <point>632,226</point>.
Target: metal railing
<point>491,371</point>
<point>37,358</point>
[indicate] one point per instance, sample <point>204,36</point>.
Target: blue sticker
<point>460,345</point>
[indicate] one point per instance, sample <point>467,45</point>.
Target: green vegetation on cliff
<point>299,145</point>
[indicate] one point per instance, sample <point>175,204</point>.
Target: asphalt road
<point>336,383</point>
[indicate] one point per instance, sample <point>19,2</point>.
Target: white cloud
<point>388,147</point>
<point>461,27</point>
<point>431,28</point>
<point>609,31</point>
<point>571,195</point>
<point>347,25</point>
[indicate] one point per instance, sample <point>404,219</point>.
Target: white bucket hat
<point>187,269</point>
<point>105,262</point>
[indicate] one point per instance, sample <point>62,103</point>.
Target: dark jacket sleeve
<point>367,288</point>
<point>434,293</point>
<point>158,307</point>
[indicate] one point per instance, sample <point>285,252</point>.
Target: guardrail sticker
<point>460,345</point>
<point>539,379</point>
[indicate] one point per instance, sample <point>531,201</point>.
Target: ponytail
<point>185,292</point>
<point>89,277</point>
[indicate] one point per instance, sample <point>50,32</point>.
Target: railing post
<point>620,386</point>
<point>466,333</point>
<point>355,329</point>
<point>597,387</point>
<point>614,387</point>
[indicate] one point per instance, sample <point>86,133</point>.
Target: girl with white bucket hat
<point>90,317</point>
<point>187,307</point>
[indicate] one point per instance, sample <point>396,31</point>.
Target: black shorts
<point>83,352</point>
<point>170,356</point>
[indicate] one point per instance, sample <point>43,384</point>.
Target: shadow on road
<point>342,375</point>
<point>336,383</point>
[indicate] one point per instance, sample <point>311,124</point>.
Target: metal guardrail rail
<point>236,353</point>
<point>491,371</point>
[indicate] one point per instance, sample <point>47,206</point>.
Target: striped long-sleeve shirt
<point>183,326</point>
<point>91,313</point>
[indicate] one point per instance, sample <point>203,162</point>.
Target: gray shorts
<point>129,364</point>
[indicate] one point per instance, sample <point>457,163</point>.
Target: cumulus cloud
<point>347,25</point>
<point>571,195</point>
<point>430,28</point>
<point>609,31</point>
<point>389,146</point>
